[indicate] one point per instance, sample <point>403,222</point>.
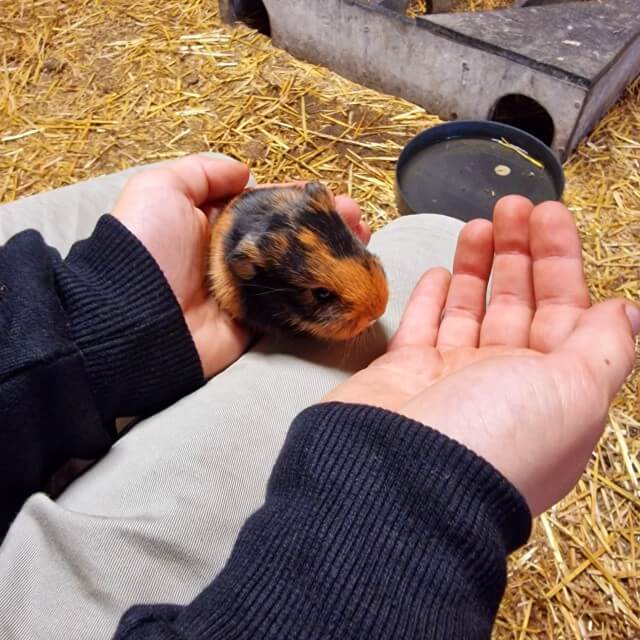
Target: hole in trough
<point>254,14</point>
<point>526,114</point>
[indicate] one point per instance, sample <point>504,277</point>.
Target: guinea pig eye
<point>323,295</point>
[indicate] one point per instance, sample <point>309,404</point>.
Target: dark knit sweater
<point>82,342</point>
<point>374,526</point>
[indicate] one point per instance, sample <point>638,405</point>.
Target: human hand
<point>168,210</point>
<point>526,382</point>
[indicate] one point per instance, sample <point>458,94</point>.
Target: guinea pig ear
<point>319,195</point>
<point>245,257</point>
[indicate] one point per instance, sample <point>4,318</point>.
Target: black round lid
<point>461,169</point>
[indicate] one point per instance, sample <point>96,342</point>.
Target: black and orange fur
<point>283,258</point>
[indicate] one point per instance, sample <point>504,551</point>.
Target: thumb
<point>205,179</point>
<point>603,340</point>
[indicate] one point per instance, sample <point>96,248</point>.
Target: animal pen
<point>89,87</point>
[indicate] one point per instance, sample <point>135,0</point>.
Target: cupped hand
<point>168,209</point>
<point>525,381</point>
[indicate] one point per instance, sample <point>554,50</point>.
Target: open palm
<point>524,381</point>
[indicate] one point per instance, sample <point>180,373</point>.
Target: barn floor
<point>88,87</point>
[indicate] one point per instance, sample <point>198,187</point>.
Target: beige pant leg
<point>68,214</point>
<point>155,520</point>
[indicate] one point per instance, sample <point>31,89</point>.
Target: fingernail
<point>633,313</point>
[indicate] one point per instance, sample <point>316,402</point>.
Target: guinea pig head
<point>300,267</point>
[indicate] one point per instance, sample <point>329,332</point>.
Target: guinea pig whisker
<point>264,293</point>
<point>262,286</point>
<point>347,352</point>
<point>365,340</point>
<point>357,346</point>
<point>268,289</point>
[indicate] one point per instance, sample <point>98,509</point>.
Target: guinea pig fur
<point>282,258</point>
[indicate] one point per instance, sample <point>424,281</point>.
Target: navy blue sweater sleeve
<point>373,527</point>
<point>82,341</point>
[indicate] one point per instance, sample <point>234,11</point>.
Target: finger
<point>350,212</point>
<point>560,289</point>
<point>464,308</point>
<point>363,232</point>
<point>347,208</point>
<point>510,312</point>
<point>421,319</point>
<point>603,342</point>
<point>205,179</point>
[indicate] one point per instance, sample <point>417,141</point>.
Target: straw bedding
<point>90,86</point>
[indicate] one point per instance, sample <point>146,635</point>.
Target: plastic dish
<point>461,169</point>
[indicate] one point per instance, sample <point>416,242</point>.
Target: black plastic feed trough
<point>461,169</point>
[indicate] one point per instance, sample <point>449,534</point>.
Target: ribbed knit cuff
<point>360,443</point>
<point>375,527</point>
<point>138,353</point>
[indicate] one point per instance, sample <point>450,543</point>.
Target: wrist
<point>136,347</point>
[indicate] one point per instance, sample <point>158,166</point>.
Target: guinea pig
<point>282,258</point>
